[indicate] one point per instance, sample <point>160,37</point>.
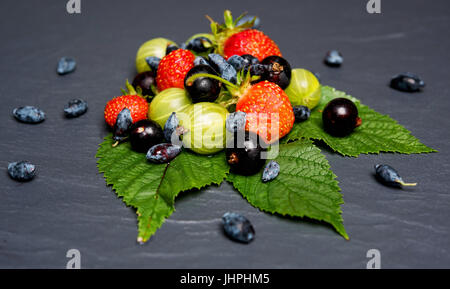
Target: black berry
<point>340,117</point>
<point>278,70</point>
<point>145,80</point>
<point>144,134</point>
<point>202,89</point>
<point>243,153</point>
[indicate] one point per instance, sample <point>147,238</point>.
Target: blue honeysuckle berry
<point>66,65</point>
<point>29,114</point>
<point>238,227</point>
<point>21,171</point>
<point>237,62</point>
<point>407,81</point>
<point>122,125</point>
<point>225,69</point>
<point>236,121</point>
<point>163,153</point>
<point>271,171</point>
<point>301,113</point>
<point>334,58</point>
<point>75,108</point>
<point>387,175</point>
<point>153,62</point>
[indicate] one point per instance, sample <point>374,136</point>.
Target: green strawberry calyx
<point>233,92</point>
<point>223,31</point>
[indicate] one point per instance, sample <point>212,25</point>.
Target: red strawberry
<point>264,103</point>
<point>231,39</point>
<point>252,42</point>
<point>173,68</point>
<point>137,105</point>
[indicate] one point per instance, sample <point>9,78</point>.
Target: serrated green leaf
<point>152,188</point>
<point>378,133</point>
<point>305,187</point>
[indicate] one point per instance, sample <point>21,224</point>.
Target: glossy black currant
<point>203,89</point>
<point>145,80</point>
<point>340,117</point>
<point>144,134</point>
<point>277,70</point>
<point>243,153</point>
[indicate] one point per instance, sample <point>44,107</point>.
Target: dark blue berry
<point>199,60</point>
<point>66,65</point>
<point>249,18</point>
<point>244,153</point>
<point>301,113</point>
<point>249,60</point>
<point>153,63</point>
<point>144,134</point>
<point>388,175</point>
<point>21,171</point>
<point>122,125</point>
<point>146,81</point>
<point>277,70</point>
<point>202,89</point>
<point>237,62</point>
<point>271,171</point>
<point>199,45</point>
<point>333,58</point>
<point>170,127</point>
<point>407,82</point>
<point>29,114</point>
<point>75,108</point>
<point>238,227</point>
<point>171,48</point>
<point>236,121</point>
<point>163,153</point>
<point>225,69</point>
<point>258,69</point>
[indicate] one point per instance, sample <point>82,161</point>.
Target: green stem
<point>198,75</point>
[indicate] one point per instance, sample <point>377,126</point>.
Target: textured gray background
<point>69,206</point>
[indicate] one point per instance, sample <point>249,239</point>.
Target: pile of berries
<point>233,84</point>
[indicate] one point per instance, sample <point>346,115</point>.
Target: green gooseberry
<point>154,47</point>
<point>168,101</point>
<point>204,126</point>
<point>304,88</point>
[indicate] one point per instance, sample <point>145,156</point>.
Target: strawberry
<point>269,111</point>
<point>252,42</point>
<point>173,68</point>
<point>232,39</point>
<point>137,105</point>
<point>264,103</point>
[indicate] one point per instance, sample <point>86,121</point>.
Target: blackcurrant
<point>144,134</point>
<point>340,117</point>
<point>202,89</point>
<point>243,153</point>
<point>145,80</point>
<point>277,70</point>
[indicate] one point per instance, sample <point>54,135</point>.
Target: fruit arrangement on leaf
<point>223,103</point>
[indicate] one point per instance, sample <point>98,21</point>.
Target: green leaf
<point>378,133</point>
<point>152,188</point>
<point>305,187</point>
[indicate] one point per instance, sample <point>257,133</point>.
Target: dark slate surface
<point>68,205</point>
